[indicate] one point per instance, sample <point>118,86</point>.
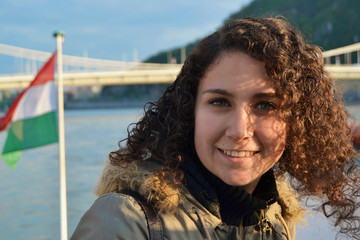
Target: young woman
<point>251,110</point>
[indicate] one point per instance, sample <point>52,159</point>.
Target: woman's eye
<point>267,106</point>
<point>219,102</point>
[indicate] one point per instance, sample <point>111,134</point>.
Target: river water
<point>29,196</point>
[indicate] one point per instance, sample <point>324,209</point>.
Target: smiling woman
<point>237,102</point>
<point>251,110</point>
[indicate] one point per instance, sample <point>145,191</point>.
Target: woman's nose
<point>239,125</point>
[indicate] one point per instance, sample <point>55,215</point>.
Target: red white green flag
<point>31,119</point>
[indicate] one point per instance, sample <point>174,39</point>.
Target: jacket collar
<point>166,198</point>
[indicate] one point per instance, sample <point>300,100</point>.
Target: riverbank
<point>104,104</point>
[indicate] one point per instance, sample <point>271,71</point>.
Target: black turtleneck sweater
<point>229,203</point>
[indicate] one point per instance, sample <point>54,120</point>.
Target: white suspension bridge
<point>83,71</point>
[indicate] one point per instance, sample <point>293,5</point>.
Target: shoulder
<point>113,216</point>
<point>114,202</point>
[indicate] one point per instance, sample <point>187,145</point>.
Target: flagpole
<point>62,167</point>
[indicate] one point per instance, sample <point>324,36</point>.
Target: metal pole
<point>62,167</point>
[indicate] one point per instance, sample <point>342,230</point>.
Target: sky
<point>111,29</point>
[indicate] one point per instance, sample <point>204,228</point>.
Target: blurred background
<point>111,37</point>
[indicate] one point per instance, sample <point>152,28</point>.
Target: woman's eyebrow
<point>226,93</point>
<point>217,91</point>
<point>266,95</point>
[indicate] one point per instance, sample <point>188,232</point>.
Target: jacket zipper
<point>265,227</point>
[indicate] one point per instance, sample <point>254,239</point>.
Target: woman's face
<point>238,133</point>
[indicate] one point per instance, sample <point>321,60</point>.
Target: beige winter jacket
<point>119,216</point>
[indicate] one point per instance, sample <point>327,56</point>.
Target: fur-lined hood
<point>138,176</point>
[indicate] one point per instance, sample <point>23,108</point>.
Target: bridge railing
<point>347,55</point>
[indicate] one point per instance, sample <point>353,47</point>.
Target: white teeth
<point>238,153</point>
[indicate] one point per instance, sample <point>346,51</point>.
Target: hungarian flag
<point>31,119</point>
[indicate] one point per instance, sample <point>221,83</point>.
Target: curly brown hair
<point>319,157</point>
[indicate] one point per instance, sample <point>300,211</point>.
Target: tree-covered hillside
<point>327,23</point>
